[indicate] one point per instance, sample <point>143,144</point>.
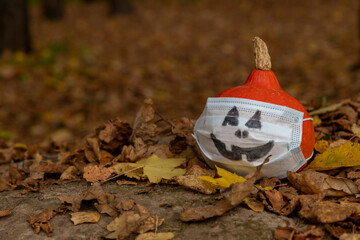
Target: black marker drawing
<point>237,152</point>
<point>254,121</point>
<point>232,117</point>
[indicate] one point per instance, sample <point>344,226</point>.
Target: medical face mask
<point>238,134</point>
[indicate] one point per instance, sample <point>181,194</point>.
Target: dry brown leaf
<point>196,170</point>
<point>336,231</point>
<point>122,226</point>
<point>308,233</point>
<point>148,222</point>
<point>143,127</point>
<point>125,205</point>
<point>4,213</point>
<point>284,233</point>
<point>105,201</point>
<point>353,175</point>
<point>106,157</point>
<point>69,174</point>
<point>269,182</point>
<point>349,112</point>
<point>96,173</point>
<point>155,236</point>
<point>275,198</point>
<point>4,185</point>
<point>310,181</point>
<point>323,211</point>
<point>40,221</point>
<point>254,204</point>
<point>95,146</point>
<point>84,217</point>
<point>350,236</point>
<point>195,183</point>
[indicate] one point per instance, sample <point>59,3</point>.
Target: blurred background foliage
<point>177,52</point>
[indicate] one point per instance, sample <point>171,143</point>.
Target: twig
<point>118,175</point>
<point>157,113</point>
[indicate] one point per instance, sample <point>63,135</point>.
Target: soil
<point>165,201</point>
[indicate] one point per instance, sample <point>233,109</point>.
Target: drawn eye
<point>231,117</point>
<point>254,121</point>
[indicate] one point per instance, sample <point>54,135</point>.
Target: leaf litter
<point>326,193</point>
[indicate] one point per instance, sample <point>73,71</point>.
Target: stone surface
<point>162,200</point>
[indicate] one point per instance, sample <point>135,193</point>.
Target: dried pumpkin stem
<point>262,57</point>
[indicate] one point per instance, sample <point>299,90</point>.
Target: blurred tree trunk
<point>120,7</point>
<point>53,9</point>
<point>14,26</point>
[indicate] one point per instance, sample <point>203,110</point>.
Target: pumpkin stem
<point>262,57</point>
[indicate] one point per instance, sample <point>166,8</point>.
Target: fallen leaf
<point>307,233</point>
<point>125,205</point>
<point>227,178</point>
<point>323,211</point>
<point>156,168</point>
<point>4,213</point>
<point>195,183</point>
<point>95,146</point>
<point>122,226</point>
<point>316,121</point>
<point>143,127</point>
<point>336,231</point>
<point>276,199</point>
<point>69,174</point>
<point>131,170</point>
<point>321,146</point>
<point>84,217</point>
<point>254,204</point>
<point>148,221</point>
<point>350,236</point>
<point>96,173</point>
<point>238,192</point>
<point>104,204</point>
<point>40,221</point>
<point>327,109</point>
<point>155,236</point>
<point>312,182</point>
<point>346,155</point>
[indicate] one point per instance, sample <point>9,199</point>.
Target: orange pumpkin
<point>262,85</point>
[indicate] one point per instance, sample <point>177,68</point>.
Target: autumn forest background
<point>83,62</point>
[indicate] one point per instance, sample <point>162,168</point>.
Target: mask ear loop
<point>307,119</point>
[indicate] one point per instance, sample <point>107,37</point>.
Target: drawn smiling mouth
<point>237,152</point>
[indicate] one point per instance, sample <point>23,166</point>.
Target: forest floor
<point>91,67</point>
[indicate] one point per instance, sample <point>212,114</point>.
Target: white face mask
<point>238,134</point>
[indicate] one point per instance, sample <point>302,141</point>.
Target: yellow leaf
<point>264,188</point>
<point>321,146</point>
<point>346,155</point>
<point>316,121</point>
<point>130,170</point>
<point>156,168</point>
<point>227,178</point>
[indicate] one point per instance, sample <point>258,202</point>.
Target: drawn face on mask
<point>237,152</point>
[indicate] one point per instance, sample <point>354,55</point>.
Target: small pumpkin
<point>262,85</point>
